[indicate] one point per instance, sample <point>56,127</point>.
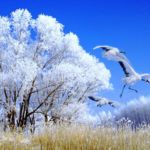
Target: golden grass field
<point>78,138</point>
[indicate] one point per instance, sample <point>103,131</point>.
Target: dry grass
<point>78,138</point>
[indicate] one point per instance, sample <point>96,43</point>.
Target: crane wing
<point>117,55</point>
<point>93,98</point>
<point>105,101</point>
<point>127,68</point>
<point>101,101</point>
<point>124,69</point>
<point>121,56</point>
<point>105,48</point>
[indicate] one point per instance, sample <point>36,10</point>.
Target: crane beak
<point>123,52</point>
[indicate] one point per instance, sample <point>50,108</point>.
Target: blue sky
<point>124,24</point>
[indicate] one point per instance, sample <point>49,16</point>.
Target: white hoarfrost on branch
<point>44,71</point>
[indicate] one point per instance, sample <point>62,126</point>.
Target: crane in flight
<point>101,101</point>
<point>131,76</point>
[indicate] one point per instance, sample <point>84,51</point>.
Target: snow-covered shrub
<point>137,112</point>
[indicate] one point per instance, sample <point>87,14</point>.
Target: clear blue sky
<point>121,23</point>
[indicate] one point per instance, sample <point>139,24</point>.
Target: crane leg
<point>133,89</point>
<point>122,90</point>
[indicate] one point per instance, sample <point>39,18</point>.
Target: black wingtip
<point>147,81</point>
<point>91,97</point>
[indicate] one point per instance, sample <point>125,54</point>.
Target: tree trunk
<point>46,118</point>
<point>11,119</point>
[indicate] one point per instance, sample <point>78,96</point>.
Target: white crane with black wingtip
<point>131,76</point>
<point>101,101</point>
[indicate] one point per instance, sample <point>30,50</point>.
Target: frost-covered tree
<point>43,70</point>
<point>136,111</point>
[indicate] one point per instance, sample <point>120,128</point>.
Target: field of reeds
<point>75,137</point>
